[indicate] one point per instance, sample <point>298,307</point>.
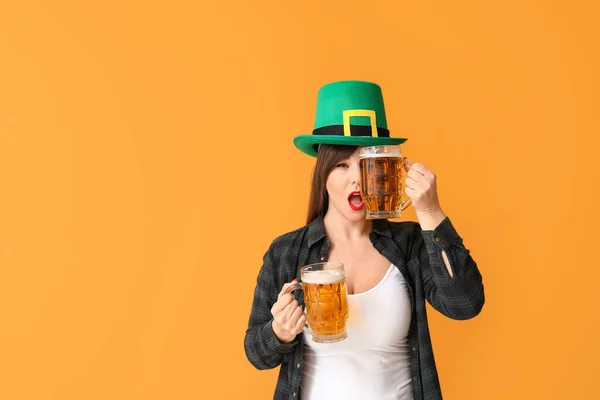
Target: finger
<point>290,308</point>
<point>415,185</point>
<point>407,164</point>
<point>282,303</point>
<point>410,192</point>
<point>422,181</point>
<point>300,324</point>
<point>421,169</point>
<point>298,312</point>
<point>286,286</point>
<point>415,174</point>
<point>411,181</point>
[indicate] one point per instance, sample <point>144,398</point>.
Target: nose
<point>355,174</point>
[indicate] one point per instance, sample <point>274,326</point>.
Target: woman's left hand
<point>421,187</point>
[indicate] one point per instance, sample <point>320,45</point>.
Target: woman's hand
<point>421,187</point>
<point>288,316</point>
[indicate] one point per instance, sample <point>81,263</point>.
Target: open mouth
<point>355,200</point>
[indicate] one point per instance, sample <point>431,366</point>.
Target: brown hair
<point>327,158</point>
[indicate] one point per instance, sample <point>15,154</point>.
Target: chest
<point>378,320</point>
<point>363,265</point>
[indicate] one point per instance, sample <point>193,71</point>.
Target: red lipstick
<point>355,201</point>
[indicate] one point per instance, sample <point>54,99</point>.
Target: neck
<point>341,230</point>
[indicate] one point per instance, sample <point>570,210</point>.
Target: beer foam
<point>324,276</point>
<point>374,155</point>
<point>380,151</point>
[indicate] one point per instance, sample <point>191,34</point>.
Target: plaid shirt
<point>418,256</point>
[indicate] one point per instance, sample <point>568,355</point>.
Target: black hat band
<point>355,130</point>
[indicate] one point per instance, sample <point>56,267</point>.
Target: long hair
<point>327,158</point>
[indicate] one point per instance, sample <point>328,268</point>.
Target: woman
<point>391,269</point>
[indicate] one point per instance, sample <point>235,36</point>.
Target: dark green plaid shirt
<point>418,256</point>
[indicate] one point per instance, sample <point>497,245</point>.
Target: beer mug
<point>382,169</point>
<point>325,300</point>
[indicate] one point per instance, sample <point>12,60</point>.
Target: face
<point>343,187</point>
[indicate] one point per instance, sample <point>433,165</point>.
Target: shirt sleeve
<point>262,347</point>
<point>460,295</point>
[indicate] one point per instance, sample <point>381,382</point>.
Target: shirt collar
<point>382,227</point>
<point>316,230</point>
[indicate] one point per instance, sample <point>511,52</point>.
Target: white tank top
<point>373,362</point>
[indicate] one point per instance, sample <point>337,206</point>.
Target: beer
<point>381,181</point>
<point>325,300</point>
<point>326,304</point>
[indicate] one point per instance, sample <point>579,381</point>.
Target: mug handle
<point>290,289</point>
<point>408,201</point>
<point>405,204</point>
<point>293,287</point>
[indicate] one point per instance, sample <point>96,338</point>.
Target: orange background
<point>146,163</point>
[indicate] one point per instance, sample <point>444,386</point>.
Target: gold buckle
<point>360,113</point>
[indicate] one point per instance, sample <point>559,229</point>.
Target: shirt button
<point>414,348</point>
<point>294,394</point>
<point>322,258</point>
<point>298,365</point>
<point>414,379</point>
<point>438,240</point>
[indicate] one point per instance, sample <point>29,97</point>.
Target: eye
<point>341,165</point>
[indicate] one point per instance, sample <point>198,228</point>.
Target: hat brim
<point>308,144</point>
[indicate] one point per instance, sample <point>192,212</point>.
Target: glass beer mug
<point>325,300</point>
<point>382,187</point>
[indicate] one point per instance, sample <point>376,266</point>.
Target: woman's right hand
<point>288,316</point>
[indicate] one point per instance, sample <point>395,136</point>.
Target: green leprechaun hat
<point>348,113</point>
